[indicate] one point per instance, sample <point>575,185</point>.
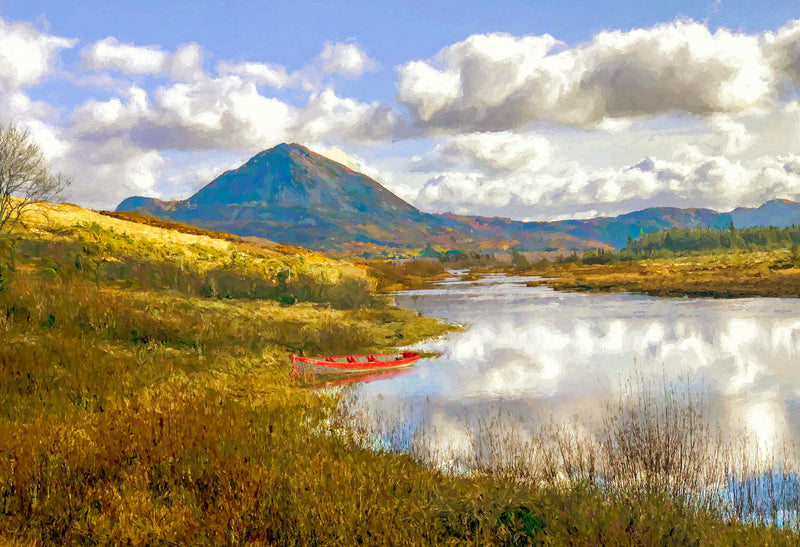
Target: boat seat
<point>371,359</point>
<point>351,359</point>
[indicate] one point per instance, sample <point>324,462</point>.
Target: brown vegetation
<point>722,275</point>
<point>139,408</point>
<point>406,274</point>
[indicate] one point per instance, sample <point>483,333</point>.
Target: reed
<point>655,441</point>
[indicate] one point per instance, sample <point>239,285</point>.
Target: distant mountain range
<point>291,195</point>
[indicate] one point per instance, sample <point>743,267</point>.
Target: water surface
<point>538,355</point>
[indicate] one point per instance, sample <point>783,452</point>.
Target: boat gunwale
<point>408,357</point>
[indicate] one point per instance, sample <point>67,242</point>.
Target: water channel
<point>531,356</point>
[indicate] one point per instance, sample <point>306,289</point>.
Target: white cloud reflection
<point>542,353</point>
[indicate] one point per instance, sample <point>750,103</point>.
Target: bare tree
<point>25,176</point>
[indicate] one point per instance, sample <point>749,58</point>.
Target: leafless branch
<point>25,176</point>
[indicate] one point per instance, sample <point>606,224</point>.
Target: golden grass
<point>722,275</point>
<point>407,274</point>
<point>136,411</point>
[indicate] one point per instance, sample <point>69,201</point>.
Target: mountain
<point>595,232</point>
<point>778,212</point>
<point>292,195</point>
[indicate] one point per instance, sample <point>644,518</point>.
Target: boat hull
<point>352,364</point>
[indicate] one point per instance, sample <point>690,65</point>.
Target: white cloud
<point>734,135</point>
<point>345,59</point>
<point>261,73</point>
<point>186,63</point>
<point>782,48</point>
<point>690,180</point>
<point>328,115</point>
<point>27,55</point>
<point>107,172</point>
<point>108,54</point>
<point>488,153</point>
<point>498,82</point>
<point>225,113</point>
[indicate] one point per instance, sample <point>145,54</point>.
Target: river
<point>530,356</point>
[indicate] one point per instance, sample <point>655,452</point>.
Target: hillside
<point>291,195</point>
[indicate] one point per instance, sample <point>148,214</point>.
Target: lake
<point>531,358</point>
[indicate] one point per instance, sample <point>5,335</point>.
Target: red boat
<point>352,364</point>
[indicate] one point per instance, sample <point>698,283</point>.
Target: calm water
<point>537,355</point>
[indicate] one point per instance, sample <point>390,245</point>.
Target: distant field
<point>715,263</point>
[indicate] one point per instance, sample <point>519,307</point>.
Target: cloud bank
<point>521,126</point>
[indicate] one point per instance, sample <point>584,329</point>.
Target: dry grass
<point>652,449</point>
<point>136,411</point>
<point>725,275</point>
<point>407,274</point>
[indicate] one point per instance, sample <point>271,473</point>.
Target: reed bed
<point>657,439</point>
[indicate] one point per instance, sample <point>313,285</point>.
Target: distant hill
<point>291,195</point>
<point>778,212</point>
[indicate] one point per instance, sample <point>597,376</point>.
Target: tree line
<point>684,241</point>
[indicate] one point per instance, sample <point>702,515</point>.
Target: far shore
<point>731,275</point>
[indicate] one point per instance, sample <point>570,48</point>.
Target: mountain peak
<point>293,146</point>
<point>291,175</point>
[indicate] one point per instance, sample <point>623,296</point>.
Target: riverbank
<point>729,275</point>
<point>145,399</point>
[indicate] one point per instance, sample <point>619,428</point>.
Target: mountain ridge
<point>292,195</point>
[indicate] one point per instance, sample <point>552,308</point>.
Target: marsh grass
<point>135,410</point>
<point>655,441</point>
<point>723,274</point>
<point>407,274</point>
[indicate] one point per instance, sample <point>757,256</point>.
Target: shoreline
<point>740,275</point>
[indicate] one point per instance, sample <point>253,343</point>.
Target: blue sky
<point>534,110</point>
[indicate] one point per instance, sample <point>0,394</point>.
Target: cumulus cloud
<point>261,73</point>
<point>105,173</point>
<point>108,54</point>
<point>27,55</point>
<point>327,114</point>
<point>499,82</point>
<point>488,153</point>
<point>734,135</point>
<point>346,59</point>
<point>226,113</point>
<point>691,179</point>
<point>782,48</point>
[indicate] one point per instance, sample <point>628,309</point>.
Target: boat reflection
<point>322,381</point>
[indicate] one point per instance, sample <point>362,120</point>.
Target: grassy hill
<point>145,400</point>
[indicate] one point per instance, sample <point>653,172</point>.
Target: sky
<point>531,110</point>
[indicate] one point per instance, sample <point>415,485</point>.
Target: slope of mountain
<point>292,195</point>
<point>778,212</point>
